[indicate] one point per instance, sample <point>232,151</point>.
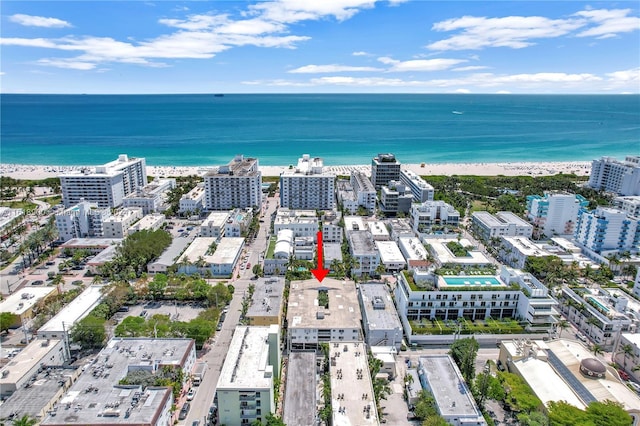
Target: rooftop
<point>171,253</point>
<point>500,219</point>
<point>354,223</point>
<point>378,229</point>
<point>23,300</point>
<point>300,394</point>
<point>198,248</point>
<point>239,166</point>
<point>442,253</point>
<point>303,308</point>
<point>351,387</point>
<point>363,181</point>
<point>389,252</point>
<point>90,242</point>
<point>414,249</point>
<point>247,362</point>
<point>216,219</point>
<point>32,355</point>
<point>448,388</point>
<point>148,221</point>
<point>74,311</point>
<point>227,251</point>
<point>105,255</point>
<point>525,246</point>
<point>286,216</point>
<point>124,214</point>
<point>379,310</point>
<point>362,243</point>
<point>416,179</point>
<point>267,297</point>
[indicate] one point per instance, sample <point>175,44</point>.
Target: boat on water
<point>218,95</point>
<point>457,112</point>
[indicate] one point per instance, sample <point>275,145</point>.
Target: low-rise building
<point>454,401</point>
<point>414,252</point>
<point>118,224</point>
<point>433,216</point>
<point>238,223</point>
<point>354,223</point>
<point>266,302</point>
<point>420,189</point>
<point>92,245</point>
<point>169,256</point>
<point>487,226</point>
<point>399,228</point>
<point>150,222</point>
<point>37,354</point>
<point>99,398</point>
<point>303,223</point>
<point>364,191</point>
<point>390,256</point>
<point>279,251</point>
<point>332,232</point>
<point>364,252</point>
<point>382,326</point>
<point>201,256</point>
<point>21,302</point>
<point>378,230</point>
<point>325,312</point>
<point>82,220</point>
<point>300,396</point>
<point>514,251</point>
<point>245,388</point>
<point>193,201</point>
<point>629,204</point>
<point>347,196</point>
<point>152,197</point>
<point>214,225</point>
<point>332,251</point>
<point>96,262</point>
<point>445,256</point>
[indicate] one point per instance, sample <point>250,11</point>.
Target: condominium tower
<point>607,229</point>
<point>236,185</point>
<point>555,213</point>
<point>384,168</point>
<point>621,177</point>
<point>307,186</point>
<point>106,185</point>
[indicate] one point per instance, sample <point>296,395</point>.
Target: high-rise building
<point>236,185</point>
<point>621,177</point>
<point>555,213</point>
<point>384,168</point>
<point>307,186</point>
<point>420,189</point>
<point>630,204</point>
<point>365,192</point>
<point>151,198</point>
<point>106,185</point>
<point>607,229</point>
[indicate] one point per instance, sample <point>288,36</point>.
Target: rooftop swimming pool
<point>597,302</point>
<point>473,281</point>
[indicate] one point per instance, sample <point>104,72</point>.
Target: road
<point>215,353</point>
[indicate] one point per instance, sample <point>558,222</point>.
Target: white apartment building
<point>307,186</point>
<point>200,256</point>
<point>384,168</point>
<point>150,222</point>
<point>193,201</point>
<point>607,229</point>
<point>414,252</point>
<point>245,388</point>
<point>310,322</point>
<point>390,256</point>
<point>365,192</point>
<point>85,219</point>
<point>236,185</point>
<point>621,177</point>
<point>400,228</point>
<point>151,197</point>
<point>420,189</point>
<point>433,215</point>
<point>213,225</point>
<point>487,226</point>
<point>347,196</point>
<point>395,197</point>
<point>636,284</point>
<point>555,213</point>
<point>514,251</point>
<point>106,185</point>
<point>238,222</point>
<point>629,204</point>
<point>118,224</point>
<point>303,223</point>
<point>364,252</point>
<point>382,326</point>
<point>378,230</point>
<point>332,232</point>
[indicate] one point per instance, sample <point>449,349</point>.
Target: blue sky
<point>320,46</point>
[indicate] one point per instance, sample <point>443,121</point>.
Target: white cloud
<point>316,69</point>
<point>503,92</point>
<point>625,76</point>
<point>463,91</point>
<point>68,64</point>
<point>292,11</point>
<point>471,68</point>
<point>608,23</point>
<point>361,53</point>
<point>38,21</point>
<point>515,32</point>
<point>438,64</point>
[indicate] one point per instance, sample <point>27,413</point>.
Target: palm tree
<point>563,324</point>
<point>597,349</point>
<point>592,321</point>
<point>25,420</point>
<point>627,350</point>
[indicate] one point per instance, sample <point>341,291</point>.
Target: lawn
<point>271,249</point>
<point>489,326</point>
<point>25,205</point>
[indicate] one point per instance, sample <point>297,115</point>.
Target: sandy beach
<point>580,168</point>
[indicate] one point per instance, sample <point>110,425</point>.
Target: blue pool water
<point>600,305</point>
<point>472,281</point>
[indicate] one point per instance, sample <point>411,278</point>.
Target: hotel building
<point>621,177</point>
<point>487,226</point>
<point>384,168</point>
<point>307,187</point>
<point>245,388</point>
<point>607,229</point>
<point>151,197</point>
<point>630,204</point>
<point>554,214</point>
<point>192,201</point>
<point>236,185</point>
<point>106,185</point>
<point>433,214</point>
<point>364,191</point>
<point>85,219</point>
<point>118,224</point>
<point>420,189</point>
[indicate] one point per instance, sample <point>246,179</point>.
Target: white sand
<point>581,168</point>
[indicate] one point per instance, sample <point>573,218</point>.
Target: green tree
<point>562,413</point>
<point>562,325</point>
<point>534,418</point>
<point>274,421</point>
<point>426,405</point>
<point>608,413</point>
<point>257,270</point>
<point>627,350</point>
<point>464,352</point>
<point>436,420</point>
<point>25,420</point>
<point>597,349</point>
<point>8,320</point>
<point>89,332</point>
<point>519,396</point>
<point>158,285</point>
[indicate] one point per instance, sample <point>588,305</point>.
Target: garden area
<point>467,327</point>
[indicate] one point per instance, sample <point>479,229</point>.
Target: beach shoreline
<point>580,168</point>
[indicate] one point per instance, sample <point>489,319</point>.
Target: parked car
<point>37,282</point>
<point>143,313</point>
<point>581,337</point>
<point>77,282</point>
<point>623,375</point>
<point>191,394</point>
<point>184,411</point>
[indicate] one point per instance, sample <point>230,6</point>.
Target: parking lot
<point>180,311</point>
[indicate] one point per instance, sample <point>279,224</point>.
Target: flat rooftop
<point>500,219</point>
<point>285,216</point>
<point>227,251</point>
<point>24,299</point>
<point>198,248</point>
<point>79,308</point>
<point>216,219</point>
<point>267,297</point>
<point>105,255</point>
<point>379,310</point>
<point>171,253</point>
<point>378,229</point>
<point>444,255</point>
<point>32,354</point>
<point>413,248</point>
<point>90,242</point>
<point>448,387</point>
<point>123,214</point>
<point>96,397</point>
<point>389,252</point>
<point>247,361</point>
<point>525,246</point>
<point>149,220</point>
<point>34,400</point>
<point>362,243</point>
<point>303,309</point>
<point>238,166</point>
<point>354,223</point>
<point>364,182</point>
<point>300,393</point>
<point>351,388</point>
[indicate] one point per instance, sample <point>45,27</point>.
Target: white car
<point>581,337</point>
<point>191,394</point>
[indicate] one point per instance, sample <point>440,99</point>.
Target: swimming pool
<point>600,305</point>
<point>474,281</point>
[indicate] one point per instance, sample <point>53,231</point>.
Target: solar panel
<point>571,380</point>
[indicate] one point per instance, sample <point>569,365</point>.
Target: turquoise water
<point>472,281</point>
<point>203,130</point>
<point>594,300</point>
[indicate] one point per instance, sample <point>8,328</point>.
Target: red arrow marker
<point>320,272</point>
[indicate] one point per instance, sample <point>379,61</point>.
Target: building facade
<point>152,197</point>
<point>236,185</point>
<point>117,225</point>
<point>193,201</point>
<point>621,177</point>
<point>384,168</point>
<point>555,213</point>
<point>420,189</point>
<point>308,186</point>
<point>395,198</point>
<point>364,191</point>
<point>433,216</point>
<point>83,220</point>
<point>487,226</point>
<point>607,229</point>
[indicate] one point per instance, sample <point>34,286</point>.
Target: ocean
<point>206,130</point>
